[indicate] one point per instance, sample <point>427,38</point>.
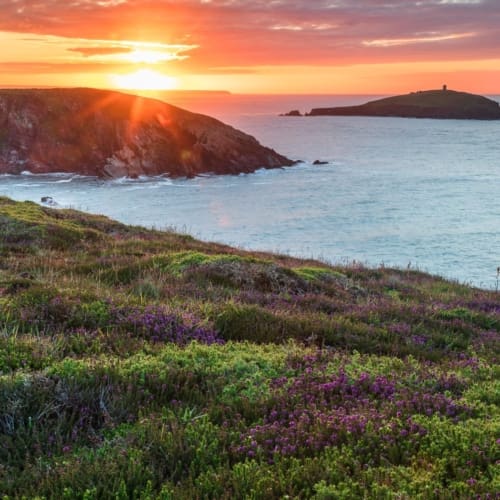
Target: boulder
<point>48,200</point>
<point>294,112</point>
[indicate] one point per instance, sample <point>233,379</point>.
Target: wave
<point>50,175</point>
<point>142,179</point>
<point>64,181</point>
<point>301,165</point>
<point>27,173</point>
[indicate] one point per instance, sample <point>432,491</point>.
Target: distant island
<point>111,134</point>
<point>443,104</point>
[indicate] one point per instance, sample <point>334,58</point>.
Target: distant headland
<point>111,134</point>
<point>443,104</point>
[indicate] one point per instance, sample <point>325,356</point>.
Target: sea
<point>395,192</point>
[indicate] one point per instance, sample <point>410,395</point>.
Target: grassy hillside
<point>448,99</point>
<point>143,364</point>
<point>423,104</point>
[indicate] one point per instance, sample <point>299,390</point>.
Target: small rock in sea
<point>320,162</point>
<point>48,200</point>
<point>294,112</point>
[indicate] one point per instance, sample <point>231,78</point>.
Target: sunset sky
<point>253,46</point>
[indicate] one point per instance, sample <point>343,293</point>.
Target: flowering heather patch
<point>143,364</point>
<point>489,339</point>
<point>314,411</point>
<point>158,325</point>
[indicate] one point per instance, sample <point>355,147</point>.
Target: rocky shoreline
<point>111,134</point>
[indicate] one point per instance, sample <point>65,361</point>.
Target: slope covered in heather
<point>144,364</point>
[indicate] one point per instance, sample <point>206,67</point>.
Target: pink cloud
<point>245,33</point>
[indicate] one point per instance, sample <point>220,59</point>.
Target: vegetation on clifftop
<point>145,364</point>
<point>423,104</point>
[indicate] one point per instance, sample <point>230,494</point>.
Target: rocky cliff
<point>426,104</point>
<point>110,134</point>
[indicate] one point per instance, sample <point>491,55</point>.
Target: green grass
<point>147,364</point>
<point>318,273</point>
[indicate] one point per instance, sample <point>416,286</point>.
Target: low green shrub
<point>334,382</point>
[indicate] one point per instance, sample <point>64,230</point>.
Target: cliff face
<point>110,134</point>
<point>426,104</point>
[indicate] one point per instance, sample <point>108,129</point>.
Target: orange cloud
<point>99,51</point>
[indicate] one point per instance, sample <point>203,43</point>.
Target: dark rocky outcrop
<point>426,104</point>
<point>48,200</point>
<point>111,134</point>
<point>294,112</point>
<point>320,162</point>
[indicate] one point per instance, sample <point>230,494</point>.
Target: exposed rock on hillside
<point>110,134</point>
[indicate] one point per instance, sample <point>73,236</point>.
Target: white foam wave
<point>64,181</point>
<point>51,175</point>
<point>142,179</point>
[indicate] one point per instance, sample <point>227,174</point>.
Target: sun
<point>144,79</point>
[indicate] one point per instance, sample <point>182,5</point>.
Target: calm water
<point>395,192</point>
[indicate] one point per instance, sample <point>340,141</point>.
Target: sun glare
<point>148,56</point>
<point>144,79</point>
